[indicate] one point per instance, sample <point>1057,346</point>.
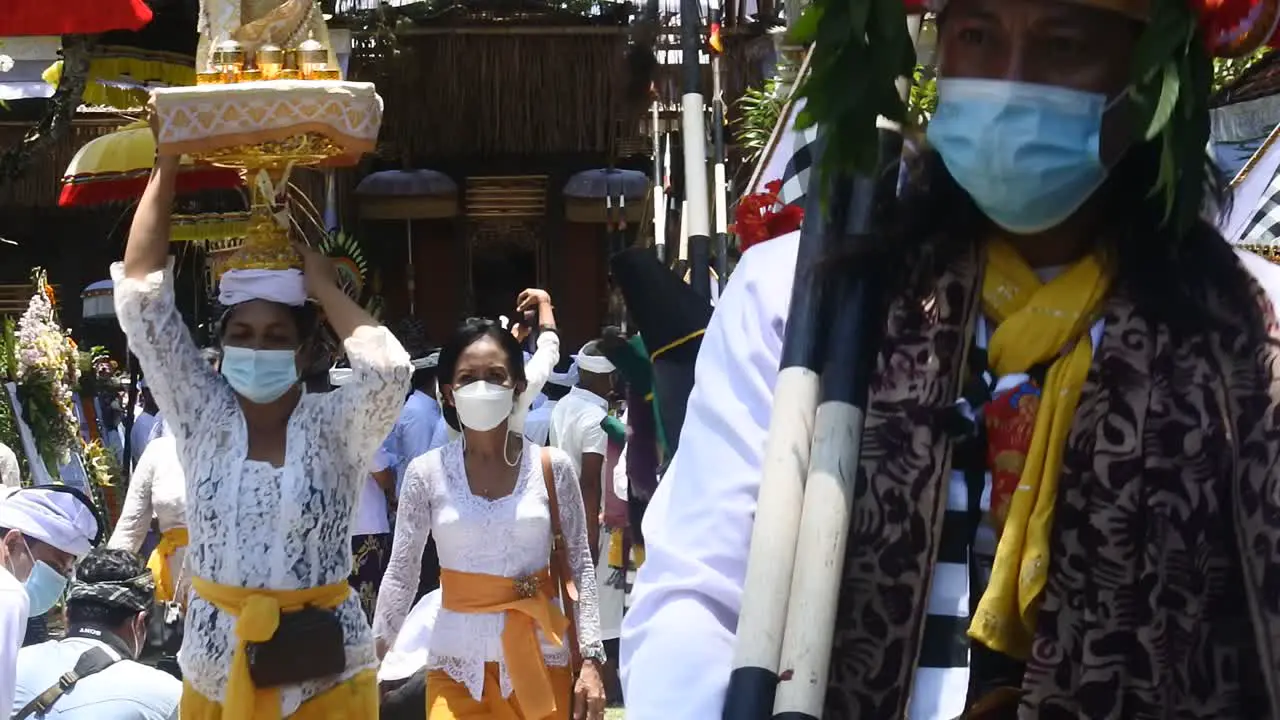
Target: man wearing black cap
<point>107,608</point>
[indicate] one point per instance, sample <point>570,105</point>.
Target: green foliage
<point>861,47</point>
<point>1172,81</point>
<point>924,96</point>
<point>761,109</point>
<point>1228,70</point>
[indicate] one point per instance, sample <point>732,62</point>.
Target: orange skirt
<point>448,699</point>
<point>355,699</point>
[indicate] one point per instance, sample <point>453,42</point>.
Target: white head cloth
<point>568,378</point>
<point>427,362</point>
<point>597,364</point>
<point>56,518</point>
<point>280,286</point>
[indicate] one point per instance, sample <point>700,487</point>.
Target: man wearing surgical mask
<point>43,530</point>
<point>1066,504</point>
<point>108,605</point>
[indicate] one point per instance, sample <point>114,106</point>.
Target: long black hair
<point>1170,276</point>
<point>471,330</point>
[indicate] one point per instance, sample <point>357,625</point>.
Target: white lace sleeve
<point>181,381</point>
<point>538,370</point>
<point>135,516</point>
<point>413,527</point>
<point>573,523</point>
<point>369,405</point>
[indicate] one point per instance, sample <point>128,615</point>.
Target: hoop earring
<point>518,455</point>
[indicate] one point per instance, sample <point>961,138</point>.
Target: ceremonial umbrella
<point>600,195</point>
<point>125,64</point>
<point>408,195</point>
<point>115,168</point>
<point>593,196</point>
<point>99,301</point>
<point>71,17</point>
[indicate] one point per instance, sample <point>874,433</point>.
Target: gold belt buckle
<point>526,586</point>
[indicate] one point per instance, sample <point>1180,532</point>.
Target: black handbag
<point>309,644</point>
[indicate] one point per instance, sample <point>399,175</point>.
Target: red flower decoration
<point>1235,28</point>
<point>763,216</point>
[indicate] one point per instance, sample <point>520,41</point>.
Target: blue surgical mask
<point>44,586</point>
<point>260,376</point>
<point>1027,154</point>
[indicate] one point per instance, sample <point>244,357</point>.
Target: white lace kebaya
<point>156,489</point>
<point>252,524</point>
<point>507,537</point>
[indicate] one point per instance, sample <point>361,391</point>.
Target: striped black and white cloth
<point>1264,228</point>
<point>941,684</point>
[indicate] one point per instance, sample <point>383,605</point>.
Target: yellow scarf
<point>1035,323</point>
<point>257,613</point>
<point>171,541</point>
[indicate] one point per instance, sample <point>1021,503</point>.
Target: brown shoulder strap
<point>561,571</point>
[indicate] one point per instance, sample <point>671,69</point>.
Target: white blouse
<point>156,489</point>
<point>508,537</point>
<point>252,524</point>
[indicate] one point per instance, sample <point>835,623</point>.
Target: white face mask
<point>483,406</point>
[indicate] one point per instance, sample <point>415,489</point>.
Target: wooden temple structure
<point>507,99</point>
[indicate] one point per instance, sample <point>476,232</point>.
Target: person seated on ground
<point>107,608</point>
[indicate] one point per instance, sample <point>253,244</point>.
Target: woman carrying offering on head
<point>272,475</point>
<point>501,642</point>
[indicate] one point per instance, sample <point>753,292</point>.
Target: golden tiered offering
<point>269,98</point>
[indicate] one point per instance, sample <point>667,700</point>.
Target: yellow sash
<point>528,607</point>
<point>1035,323</point>
<point>257,614</point>
<point>170,542</point>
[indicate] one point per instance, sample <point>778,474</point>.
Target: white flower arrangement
<point>48,370</point>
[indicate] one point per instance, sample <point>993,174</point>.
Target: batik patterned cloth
<point>369,557</point>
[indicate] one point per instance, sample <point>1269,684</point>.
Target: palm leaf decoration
<point>349,261</point>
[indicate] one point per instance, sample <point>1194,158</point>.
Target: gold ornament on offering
<point>229,61</point>
<point>313,58</point>
<point>270,60</point>
<point>257,109</point>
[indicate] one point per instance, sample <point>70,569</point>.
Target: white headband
<point>597,364</point>
<point>568,378</point>
<point>424,363</point>
<point>281,286</point>
<point>53,517</point>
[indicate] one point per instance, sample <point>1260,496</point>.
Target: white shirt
<point>678,636</point>
<point>140,434</point>
<point>14,611</point>
<point>157,489</point>
<point>537,425</point>
<point>575,426</point>
<point>252,524</point>
<point>507,537</point>
<point>127,690</point>
<point>10,473</point>
<point>371,509</point>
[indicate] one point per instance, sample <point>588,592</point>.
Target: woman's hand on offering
<point>318,272</point>
<point>588,693</point>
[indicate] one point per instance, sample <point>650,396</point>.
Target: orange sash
<point>528,606</point>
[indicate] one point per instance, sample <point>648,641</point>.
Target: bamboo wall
<point>485,94</point>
